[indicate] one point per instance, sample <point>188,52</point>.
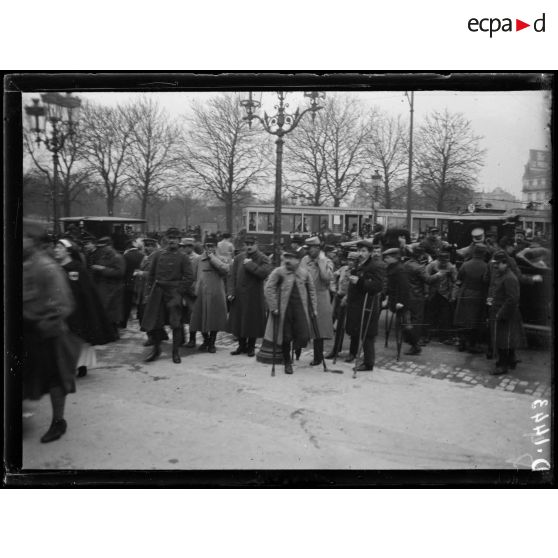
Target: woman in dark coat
<point>108,270</point>
<point>470,311</point>
<point>505,317</point>
<point>246,294</point>
<point>366,284</point>
<point>88,320</point>
<point>50,352</point>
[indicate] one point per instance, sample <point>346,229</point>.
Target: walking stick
<point>340,333</point>
<point>317,331</point>
<point>398,333</point>
<point>388,325</point>
<point>362,337</point>
<point>276,319</point>
<point>275,328</point>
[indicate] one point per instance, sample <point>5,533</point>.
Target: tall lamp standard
<point>376,182</point>
<point>411,100</point>
<point>61,112</point>
<point>279,125</point>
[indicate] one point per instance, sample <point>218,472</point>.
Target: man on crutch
<point>363,307</point>
<point>398,297</point>
<point>291,298</point>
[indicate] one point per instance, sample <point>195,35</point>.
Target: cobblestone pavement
<point>437,361</point>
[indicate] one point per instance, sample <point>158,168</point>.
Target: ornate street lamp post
<point>376,182</point>
<point>53,122</point>
<point>411,100</point>
<point>279,125</point>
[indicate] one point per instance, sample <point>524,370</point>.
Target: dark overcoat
<point>169,280</point>
<point>50,350</point>
<point>370,282</point>
<point>397,286</point>
<point>132,258</point>
<point>470,311</point>
<point>89,320</point>
<point>247,314</point>
<point>110,281</point>
<point>505,317</point>
<point>210,307</point>
<point>277,292</point>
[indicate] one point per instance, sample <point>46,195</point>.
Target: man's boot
<point>501,364</point>
<point>183,338</point>
<point>241,347</point>
<point>512,359</point>
<point>192,342</point>
<point>414,350</point>
<point>318,352</point>
<point>155,352</point>
<point>286,349</point>
<point>205,345</point>
<point>251,347</point>
<point>177,337</point>
<point>212,337</point>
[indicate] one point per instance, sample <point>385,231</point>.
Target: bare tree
<point>223,157</point>
<point>107,134</point>
<point>305,161</point>
<point>73,177</point>
<point>386,150</point>
<point>345,146</point>
<point>153,157</point>
<point>447,160</point>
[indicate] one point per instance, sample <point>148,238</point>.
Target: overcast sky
<point>510,122</point>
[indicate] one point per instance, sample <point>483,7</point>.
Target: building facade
<point>537,187</point>
<point>497,199</point>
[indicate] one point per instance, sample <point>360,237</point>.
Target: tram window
<point>287,223</point>
<point>265,222</point>
<point>314,222</point>
<point>397,222</point>
<point>300,226</point>
<point>421,226</point>
<point>337,223</point>
<point>539,228</point>
<point>351,223</point>
<point>252,221</point>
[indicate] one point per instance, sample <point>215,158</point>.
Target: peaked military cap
<point>392,252</point>
<point>312,241</point>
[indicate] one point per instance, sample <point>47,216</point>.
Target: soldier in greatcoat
<point>470,310</point>
<point>366,282</point>
<point>504,316</point>
<point>133,256</point>
<point>245,293</point>
<point>320,269</point>
<point>399,295</point>
<point>441,277</point>
<point>291,298</point>
<point>417,281</point>
<point>170,279</point>
<point>209,314</point>
<point>187,247</point>
<point>108,270</point>
<point>150,246</point>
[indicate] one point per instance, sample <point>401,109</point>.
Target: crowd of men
<point>318,293</point>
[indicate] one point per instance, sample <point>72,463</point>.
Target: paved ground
<point>437,410</point>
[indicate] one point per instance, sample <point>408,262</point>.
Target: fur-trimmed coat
<point>277,291</point>
<point>321,271</point>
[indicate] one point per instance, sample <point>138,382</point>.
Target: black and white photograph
<point>274,275</point>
